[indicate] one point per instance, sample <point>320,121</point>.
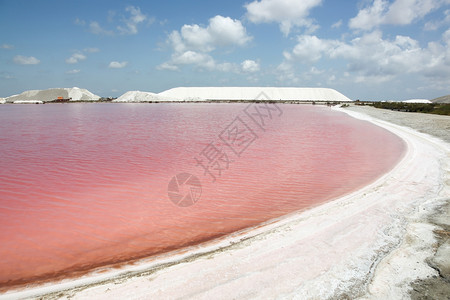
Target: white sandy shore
<point>370,244</point>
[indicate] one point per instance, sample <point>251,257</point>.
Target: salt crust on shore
<point>355,246</point>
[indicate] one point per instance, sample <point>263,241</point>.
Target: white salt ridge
<point>139,96</point>
<point>75,93</point>
<point>2,100</point>
<point>235,93</point>
<point>252,93</point>
<point>417,101</point>
<point>189,94</point>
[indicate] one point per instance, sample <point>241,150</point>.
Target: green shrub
<point>431,108</point>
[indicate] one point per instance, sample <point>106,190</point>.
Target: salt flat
<point>370,244</point>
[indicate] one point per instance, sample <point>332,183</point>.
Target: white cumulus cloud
<point>135,18</point>
<point>373,58</point>
<point>399,12</point>
<point>288,13</point>
<point>200,60</point>
<point>26,60</point>
<point>309,48</point>
<point>192,44</point>
<point>117,65</point>
<point>128,22</point>
<point>250,66</point>
<point>192,57</point>
<point>220,32</point>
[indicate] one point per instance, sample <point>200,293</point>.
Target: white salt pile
<point>189,94</point>
<point>235,93</point>
<point>76,94</point>
<point>252,93</point>
<point>2,100</point>
<point>138,96</point>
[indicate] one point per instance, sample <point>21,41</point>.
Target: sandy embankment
<point>373,243</point>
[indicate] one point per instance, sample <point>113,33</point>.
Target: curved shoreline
<point>303,254</point>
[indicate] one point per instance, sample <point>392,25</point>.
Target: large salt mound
<point>138,96</point>
<point>75,93</point>
<point>252,93</point>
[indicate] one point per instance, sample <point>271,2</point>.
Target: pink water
<point>85,185</point>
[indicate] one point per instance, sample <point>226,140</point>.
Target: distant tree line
<point>430,108</point>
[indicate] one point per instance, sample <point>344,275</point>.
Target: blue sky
<point>366,49</point>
